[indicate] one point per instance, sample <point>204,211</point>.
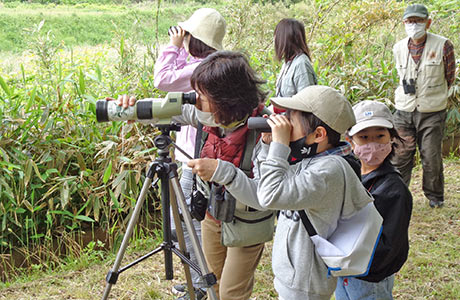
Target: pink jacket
<point>173,70</point>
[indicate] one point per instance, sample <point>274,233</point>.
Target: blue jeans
<point>350,288</point>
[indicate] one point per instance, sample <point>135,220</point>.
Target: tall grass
<point>61,172</point>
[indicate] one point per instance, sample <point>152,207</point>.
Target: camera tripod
<point>166,172</point>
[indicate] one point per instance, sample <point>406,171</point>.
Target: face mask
<point>373,153</point>
<point>299,150</point>
<point>415,30</point>
<point>206,118</point>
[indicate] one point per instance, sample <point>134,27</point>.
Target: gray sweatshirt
<point>295,75</point>
<point>325,187</point>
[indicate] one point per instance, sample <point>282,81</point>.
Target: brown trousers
<point>426,131</point>
<point>234,267</point>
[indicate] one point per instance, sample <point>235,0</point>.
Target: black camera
<point>409,88</point>
<point>199,203</point>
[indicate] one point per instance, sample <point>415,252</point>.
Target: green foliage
<point>62,172</point>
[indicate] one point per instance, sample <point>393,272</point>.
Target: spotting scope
<point>159,109</point>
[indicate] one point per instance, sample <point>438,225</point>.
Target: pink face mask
<point>372,153</point>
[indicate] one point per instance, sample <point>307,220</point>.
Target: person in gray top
<point>291,48</point>
<point>322,183</point>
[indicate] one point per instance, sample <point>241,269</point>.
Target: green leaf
<point>65,194</point>
<point>107,173</point>
<point>84,218</point>
<point>5,86</point>
<point>82,83</point>
<point>37,172</point>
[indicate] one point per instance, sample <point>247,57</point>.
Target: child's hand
<point>266,136</point>
<point>176,36</point>
<point>203,167</point>
<point>281,129</point>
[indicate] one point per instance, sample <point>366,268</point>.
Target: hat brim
<point>420,15</point>
<point>369,123</point>
<point>289,103</point>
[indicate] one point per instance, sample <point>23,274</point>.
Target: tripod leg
<point>189,225</point>
<point>112,276</point>
<point>182,245</point>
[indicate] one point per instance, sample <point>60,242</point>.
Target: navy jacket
<point>393,200</point>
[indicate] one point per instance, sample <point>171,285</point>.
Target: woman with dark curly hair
<point>233,236</point>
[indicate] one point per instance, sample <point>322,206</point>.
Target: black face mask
<point>299,150</point>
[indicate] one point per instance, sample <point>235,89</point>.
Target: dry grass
<point>432,271</point>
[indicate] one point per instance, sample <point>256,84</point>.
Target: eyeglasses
<point>414,21</point>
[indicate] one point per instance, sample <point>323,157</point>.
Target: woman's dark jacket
<point>393,200</point>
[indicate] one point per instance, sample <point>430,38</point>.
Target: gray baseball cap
<point>324,102</point>
<point>371,114</point>
<point>416,10</point>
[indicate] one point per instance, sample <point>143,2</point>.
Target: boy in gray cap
<point>321,182</point>
<point>426,67</point>
<point>371,139</point>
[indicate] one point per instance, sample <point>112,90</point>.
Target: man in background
<point>426,67</point>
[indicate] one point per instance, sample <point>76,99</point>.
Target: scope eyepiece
<point>189,98</point>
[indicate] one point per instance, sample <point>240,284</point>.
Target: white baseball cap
<point>371,114</point>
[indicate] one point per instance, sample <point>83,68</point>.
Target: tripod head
<point>163,141</point>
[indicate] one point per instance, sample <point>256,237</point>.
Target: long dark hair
<point>231,85</point>
<point>199,49</point>
<point>290,40</point>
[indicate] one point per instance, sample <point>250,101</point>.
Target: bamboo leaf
<point>28,205</point>
<point>81,161</point>
<point>64,194</point>
<point>107,173</point>
<point>31,98</point>
<point>5,87</point>
<point>40,25</point>
<point>28,172</point>
<point>114,200</point>
<point>119,178</point>
<point>96,207</point>
<point>37,172</point>
<point>84,218</point>
<point>82,83</point>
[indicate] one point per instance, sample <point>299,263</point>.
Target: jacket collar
<point>385,169</point>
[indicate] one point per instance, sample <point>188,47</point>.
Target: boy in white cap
<point>321,182</point>
<point>371,139</point>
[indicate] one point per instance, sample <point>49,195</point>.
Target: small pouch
<point>221,204</point>
<point>248,228</point>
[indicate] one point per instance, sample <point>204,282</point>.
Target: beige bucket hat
<point>324,102</point>
<point>207,25</point>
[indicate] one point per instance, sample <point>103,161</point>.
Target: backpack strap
<point>246,161</point>
<point>200,139</point>
<point>251,141</point>
<point>306,223</point>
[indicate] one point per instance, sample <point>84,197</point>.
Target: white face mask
<point>415,30</point>
<point>206,118</point>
